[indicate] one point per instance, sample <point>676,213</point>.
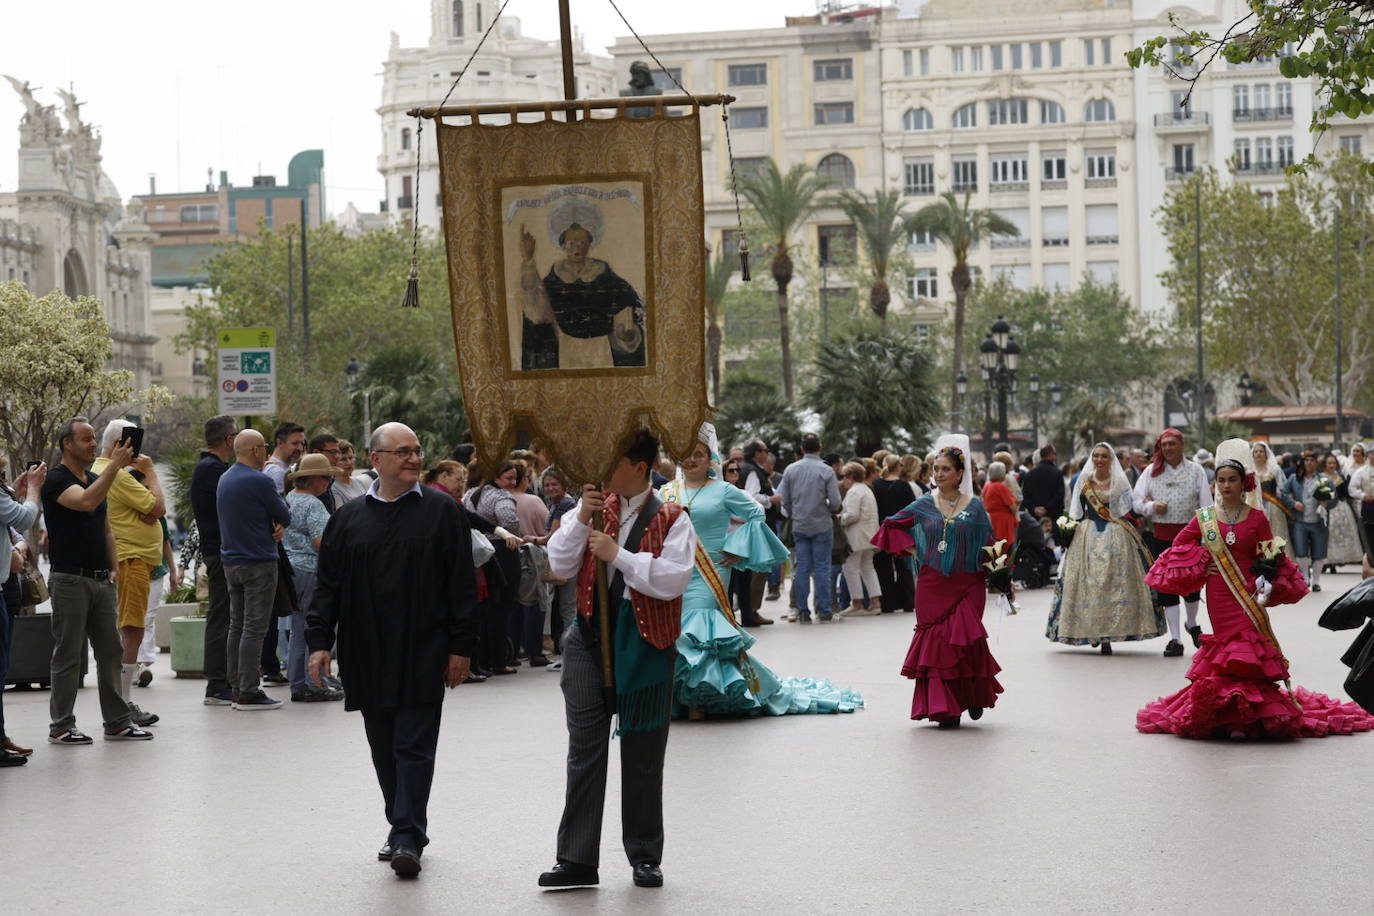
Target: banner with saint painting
<point>576,266</point>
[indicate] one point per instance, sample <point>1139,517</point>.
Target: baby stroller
<point>1034,559</point>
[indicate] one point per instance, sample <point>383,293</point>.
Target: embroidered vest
<point>1178,487</point>
<point>659,621</point>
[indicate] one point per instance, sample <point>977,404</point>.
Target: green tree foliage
<point>751,407</point>
<point>356,284</point>
<point>56,350</point>
<point>874,390</point>
<point>1268,278</point>
<point>410,382</point>
<point>782,203</point>
<point>959,227</point>
<point>1330,40</point>
<point>881,226</point>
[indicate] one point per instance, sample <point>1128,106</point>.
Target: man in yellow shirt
<point>134,509</point>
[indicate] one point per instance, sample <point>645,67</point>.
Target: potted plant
<point>179,603</point>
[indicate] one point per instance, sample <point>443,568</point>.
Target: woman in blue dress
<point>715,674</point>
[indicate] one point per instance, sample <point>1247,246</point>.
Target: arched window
<point>1051,113</point>
<point>405,138</point>
<point>917,119</point>
<point>457,18</point>
<point>967,116</point>
<point>73,275</point>
<point>837,169</point>
<point>1099,110</point>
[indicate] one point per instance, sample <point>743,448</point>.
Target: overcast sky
<point>176,87</point>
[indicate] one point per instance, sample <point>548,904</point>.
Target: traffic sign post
<point>247,371</point>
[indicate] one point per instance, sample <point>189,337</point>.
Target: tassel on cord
<point>412,296</point>
<point>744,258</point>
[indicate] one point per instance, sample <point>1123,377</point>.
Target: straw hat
<point>316,465</point>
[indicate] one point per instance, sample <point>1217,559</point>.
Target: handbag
<point>34,589</point>
<point>482,550</point>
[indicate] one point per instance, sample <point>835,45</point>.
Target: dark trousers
<point>1156,548</point>
<point>403,740</point>
<point>641,767</point>
<point>741,590</point>
<point>271,664</point>
<point>11,597</point>
<point>216,627</point>
<point>896,582</point>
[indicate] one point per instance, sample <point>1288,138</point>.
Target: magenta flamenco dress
<point>949,658</point>
<point>1233,690</point>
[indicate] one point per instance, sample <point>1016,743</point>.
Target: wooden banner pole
<point>565,39</point>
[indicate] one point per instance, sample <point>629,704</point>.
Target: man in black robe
<point>396,579</point>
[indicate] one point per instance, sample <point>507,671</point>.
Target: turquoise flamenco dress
<point>714,670</point>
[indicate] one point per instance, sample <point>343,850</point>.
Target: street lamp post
<point>999,355</point>
<point>352,370</point>
<point>956,417</point>
<point>1033,386</point>
<point>1246,388</point>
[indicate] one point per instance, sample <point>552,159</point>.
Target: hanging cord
<point>412,295</point>
<point>729,148</point>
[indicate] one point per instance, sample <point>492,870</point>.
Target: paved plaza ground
<point>1053,803</point>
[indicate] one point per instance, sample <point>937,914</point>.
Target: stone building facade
<point>65,227</point>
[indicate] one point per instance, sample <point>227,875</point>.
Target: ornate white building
<point>64,227</point>
<point>511,67</point>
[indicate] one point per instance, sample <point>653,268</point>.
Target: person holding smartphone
<point>134,510</point>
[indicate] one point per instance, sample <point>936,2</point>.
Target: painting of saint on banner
<point>577,275</point>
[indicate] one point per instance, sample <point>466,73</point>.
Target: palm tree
<point>783,202</point>
<point>881,225</point>
<point>718,273</point>
<point>874,390</point>
<point>960,228</point>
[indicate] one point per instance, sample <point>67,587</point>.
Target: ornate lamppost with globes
<point>999,355</point>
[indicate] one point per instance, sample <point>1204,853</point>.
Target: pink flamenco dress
<point>1234,690</point>
<point>948,658</point>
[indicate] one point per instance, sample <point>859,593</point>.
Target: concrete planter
<point>188,646</point>
<point>162,629</point>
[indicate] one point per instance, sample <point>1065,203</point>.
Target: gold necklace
<point>696,491</point>
<point>948,520</point>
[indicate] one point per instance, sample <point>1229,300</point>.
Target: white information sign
<point>248,371</point>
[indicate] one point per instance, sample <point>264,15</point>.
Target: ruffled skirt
<point>1344,545</point>
<point>1101,594</point>
<point>948,657</point>
<point>1233,694</point>
<point>715,673</point>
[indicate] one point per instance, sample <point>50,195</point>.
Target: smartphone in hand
<point>133,437</point>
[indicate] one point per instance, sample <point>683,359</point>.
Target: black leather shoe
<point>405,860</point>
<point>647,875</point>
<point>1106,648</point>
<point>1196,633</point>
<point>949,723</point>
<point>386,852</point>
<point>566,875</point>
<point>1173,649</point>
<point>975,713</point>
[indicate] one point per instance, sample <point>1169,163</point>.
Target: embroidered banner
<point>576,254</point>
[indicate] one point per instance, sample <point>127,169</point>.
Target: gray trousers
<point>84,609</point>
<point>216,627</point>
<point>252,594</point>
<point>641,767</point>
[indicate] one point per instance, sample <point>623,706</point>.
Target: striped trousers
<point>641,767</point>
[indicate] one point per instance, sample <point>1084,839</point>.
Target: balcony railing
<point>1183,119</point>
<point>1055,241</point>
<point>1099,182</point>
<point>1011,186</point>
<point>1056,184</point>
<point>1102,239</point>
<point>965,185</point>
<point>405,202</point>
<point>919,190</point>
<point>1177,174</point>
<point>1283,113</point>
<point>919,247</point>
<point>1259,168</point>
<point>1016,241</point>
